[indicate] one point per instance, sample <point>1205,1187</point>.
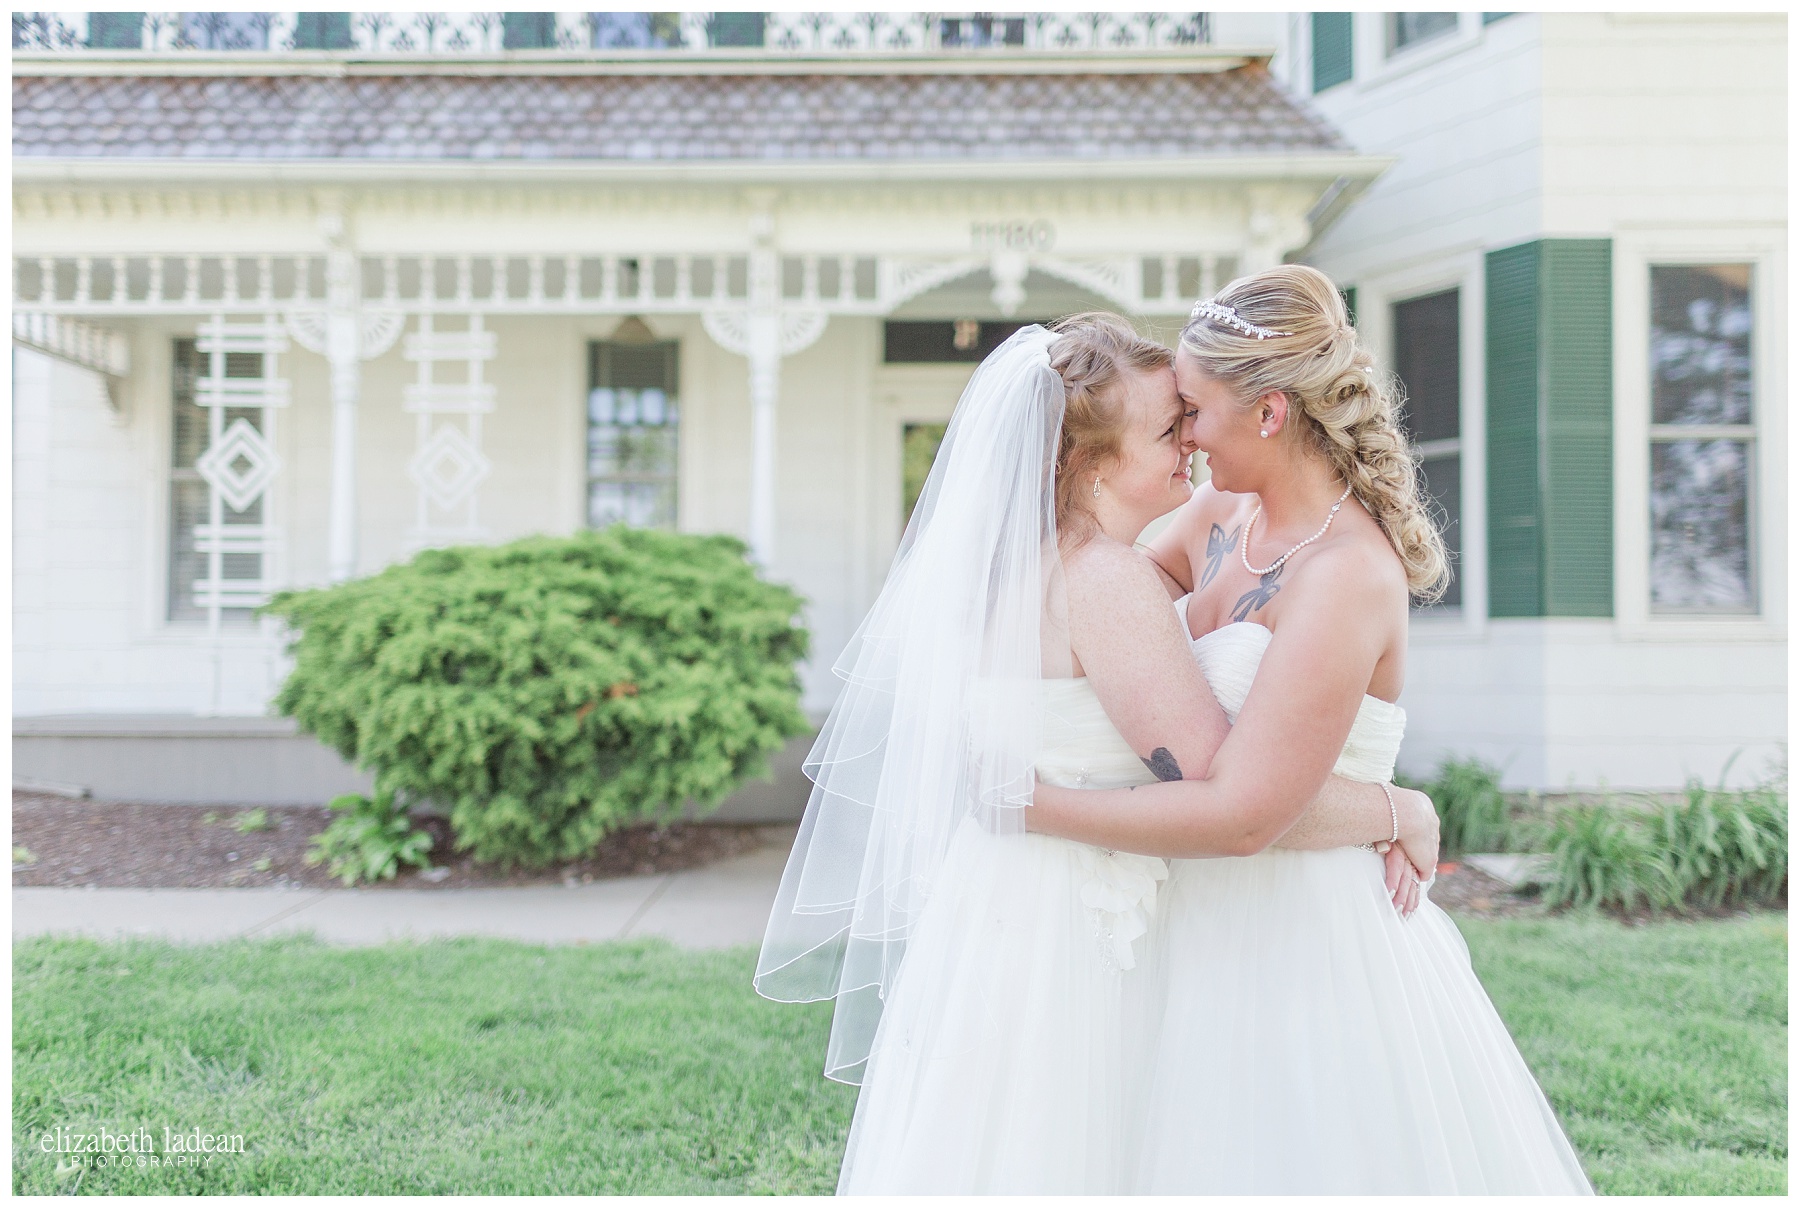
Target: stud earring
<point>1265,434</point>
<point>1096,488</point>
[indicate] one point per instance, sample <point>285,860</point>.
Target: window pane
<point>1700,526</point>
<point>639,504</point>
<point>186,566</point>
<point>226,31</point>
<point>918,449</point>
<point>948,341</point>
<point>189,437</point>
<point>322,31</point>
<point>1700,344</point>
<point>1405,29</point>
<point>1428,360</point>
<point>735,29</point>
<point>116,31</point>
<point>528,31</point>
<point>1443,483</point>
<point>634,426</point>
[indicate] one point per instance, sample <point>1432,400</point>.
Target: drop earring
<point>1096,488</point>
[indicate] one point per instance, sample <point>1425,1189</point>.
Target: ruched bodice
<point>1229,657</point>
<point>1080,746</point>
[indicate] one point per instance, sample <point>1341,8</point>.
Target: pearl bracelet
<point>1393,810</point>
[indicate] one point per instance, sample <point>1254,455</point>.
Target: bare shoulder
<point>1360,569</point>
<point>1105,572</point>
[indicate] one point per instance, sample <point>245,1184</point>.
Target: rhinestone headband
<point>1233,320</point>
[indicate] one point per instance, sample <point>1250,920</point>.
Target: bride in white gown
<point>981,973</point>
<point>1306,1040</point>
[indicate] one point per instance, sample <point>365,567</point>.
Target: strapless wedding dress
<point>1001,1061</point>
<point>1309,1040</point>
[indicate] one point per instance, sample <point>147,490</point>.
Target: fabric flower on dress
<point>1121,887</point>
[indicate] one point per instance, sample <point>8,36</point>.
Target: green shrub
<point>1602,855</point>
<point>368,841</point>
<point>1726,847</point>
<point>1718,847</point>
<point>549,691</point>
<point>1472,813</point>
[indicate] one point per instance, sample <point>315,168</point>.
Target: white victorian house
<point>290,310</point>
<point>298,294</point>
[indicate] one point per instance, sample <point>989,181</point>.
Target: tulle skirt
<point>998,1066</point>
<point>1309,1040</point>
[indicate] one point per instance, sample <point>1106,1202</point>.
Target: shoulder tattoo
<point>1259,596</point>
<point>1218,544</point>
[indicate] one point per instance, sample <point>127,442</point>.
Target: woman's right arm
<point>1136,657</point>
<point>1281,751</point>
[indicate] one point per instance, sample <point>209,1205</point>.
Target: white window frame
<point>1461,270</point>
<point>1764,248</point>
<point>1371,65</point>
<point>1454,29</point>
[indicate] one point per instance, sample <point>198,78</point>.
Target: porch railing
<point>582,34</point>
<point>651,283</point>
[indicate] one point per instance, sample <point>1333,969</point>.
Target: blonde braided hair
<point>1346,407</point>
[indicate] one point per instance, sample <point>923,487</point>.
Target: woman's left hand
<point>1400,877</point>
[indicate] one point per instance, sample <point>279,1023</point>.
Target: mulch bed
<point>1464,889</point>
<point>108,844</point>
<point>104,844</point>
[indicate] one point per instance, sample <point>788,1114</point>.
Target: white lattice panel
<point>448,466</point>
<point>239,464</point>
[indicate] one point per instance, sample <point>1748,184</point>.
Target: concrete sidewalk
<point>719,906</point>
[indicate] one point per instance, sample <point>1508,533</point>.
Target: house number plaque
<point>1019,235</point>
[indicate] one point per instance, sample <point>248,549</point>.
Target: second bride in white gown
<point>1306,1040</point>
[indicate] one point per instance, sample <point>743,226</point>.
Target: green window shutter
<point>1549,429</point>
<point>1348,293</point>
<point>1577,376</point>
<point>1331,57</point>
<point>1515,521</point>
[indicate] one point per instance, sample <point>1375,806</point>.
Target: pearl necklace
<point>1244,546</point>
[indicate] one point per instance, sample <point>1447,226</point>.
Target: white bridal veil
<point>938,718</point>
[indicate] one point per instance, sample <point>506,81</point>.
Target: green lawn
<point>1663,1047</point>
<point>492,1067</point>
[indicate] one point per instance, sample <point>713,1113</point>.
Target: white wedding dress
<point>1000,1062</point>
<point>1309,1039</point>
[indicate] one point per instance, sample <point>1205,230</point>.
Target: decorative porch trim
<point>100,349</point>
<point>239,464</point>
<point>448,465</point>
<point>393,286</point>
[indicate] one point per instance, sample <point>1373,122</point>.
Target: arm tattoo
<point>1162,764</point>
<point>1259,595</point>
<point>1218,544</point>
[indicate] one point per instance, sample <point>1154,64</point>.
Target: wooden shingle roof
<point>670,118</point>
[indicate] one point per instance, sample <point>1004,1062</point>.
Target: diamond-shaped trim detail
<point>239,484</point>
<point>448,467</point>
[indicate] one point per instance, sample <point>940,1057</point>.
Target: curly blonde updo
<point>1342,403</point>
<point>1093,354</point>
